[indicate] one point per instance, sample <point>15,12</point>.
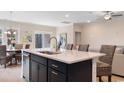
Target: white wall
<point>97,33</point>
<point>66,29</point>
<point>111,32</point>
<point>78,27</point>
<point>31,28</point>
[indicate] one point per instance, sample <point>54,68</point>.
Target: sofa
<point>118,62</point>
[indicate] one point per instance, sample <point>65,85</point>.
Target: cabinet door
<point>55,76</point>
<point>59,66</point>
<point>34,71</point>
<point>42,73</point>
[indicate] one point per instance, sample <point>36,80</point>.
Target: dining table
<point>13,52</point>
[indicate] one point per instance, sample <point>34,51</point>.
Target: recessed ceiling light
<point>107,17</point>
<point>66,15</point>
<point>88,21</point>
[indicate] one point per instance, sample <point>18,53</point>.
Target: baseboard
<point>118,75</point>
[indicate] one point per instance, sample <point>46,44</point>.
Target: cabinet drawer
<point>57,65</point>
<point>39,59</point>
<point>55,76</point>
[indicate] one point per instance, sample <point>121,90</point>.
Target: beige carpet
<point>13,74</point>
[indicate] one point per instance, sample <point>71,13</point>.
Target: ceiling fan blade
<point>115,15</point>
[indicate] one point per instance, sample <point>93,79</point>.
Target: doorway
<point>77,38</point>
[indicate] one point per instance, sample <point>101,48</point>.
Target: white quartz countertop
<point>67,56</point>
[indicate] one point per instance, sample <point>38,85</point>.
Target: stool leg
<point>109,78</point>
<point>5,65</point>
<point>100,78</point>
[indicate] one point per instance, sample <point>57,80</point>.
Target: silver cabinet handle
<point>54,73</point>
<point>53,65</point>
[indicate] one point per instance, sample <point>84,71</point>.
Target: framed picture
<point>28,37</point>
<point>62,40</point>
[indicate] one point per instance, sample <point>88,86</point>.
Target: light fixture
<point>14,33</point>
<point>8,32</point>
<point>107,16</point>
<point>67,15</point>
<point>88,21</point>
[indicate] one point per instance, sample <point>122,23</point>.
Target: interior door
<point>77,38</point>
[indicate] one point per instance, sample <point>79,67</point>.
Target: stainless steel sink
<point>49,52</point>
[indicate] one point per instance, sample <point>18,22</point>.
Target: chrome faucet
<point>56,42</point>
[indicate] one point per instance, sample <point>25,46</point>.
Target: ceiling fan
<point>108,15</point>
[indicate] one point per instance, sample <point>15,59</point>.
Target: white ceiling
<point>51,18</point>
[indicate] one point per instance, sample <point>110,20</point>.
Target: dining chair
<point>83,47</point>
<point>27,46</point>
<point>69,46</point>
<point>18,46</point>
<point>18,54</point>
<point>4,56</point>
<point>74,47</point>
<point>104,63</point>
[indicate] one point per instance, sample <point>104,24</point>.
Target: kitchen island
<point>64,66</point>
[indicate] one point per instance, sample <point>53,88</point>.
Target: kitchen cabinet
<point>68,66</point>
<point>34,71</point>
<point>42,73</point>
<point>55,76</point>
<point>38,69</point>
<point>47,70</point>
<point>56,71</point>
<point>42,69</point>
<point>61,72</point>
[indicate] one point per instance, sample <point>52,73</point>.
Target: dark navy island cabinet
<point>48,70</point>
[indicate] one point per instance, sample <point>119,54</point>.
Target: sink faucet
<point>56,42</point>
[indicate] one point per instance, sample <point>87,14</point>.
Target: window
<point>42,40</point>
<point>1,37</point>
<point>11,36</point>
